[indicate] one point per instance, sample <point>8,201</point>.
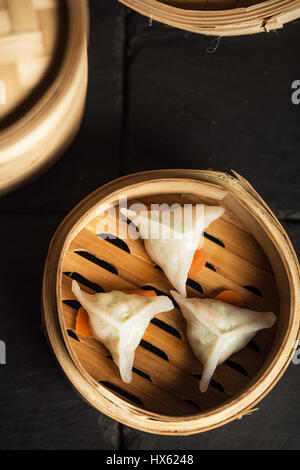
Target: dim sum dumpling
<point>119,320</point>
<point>173,236</point>
<point>216,330</point>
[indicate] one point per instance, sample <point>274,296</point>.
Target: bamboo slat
<point>219,17</point>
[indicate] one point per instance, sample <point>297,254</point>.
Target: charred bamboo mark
<point>99,262</point>
<point>141,374</point>
<point>214,239</point>
<point>195,285</point>
<point>72,303</point>
<point>129,222</point>
<point>114,240</point>
<point>253,346</point>
<point>154,350</point>
<point>210,266</point>
<point>217,385</point>
<point>213,383</point>
<point>158,267</point>
<point>174,302</point>
<point>129,396</point>
<point>254,290</point>
<point>164,326</point>
<point>234,365</point>
<point>137,371</point>
<point>191,402</point>
<point>85,282</point>
<point>73,335</point>
<point>160,292</point>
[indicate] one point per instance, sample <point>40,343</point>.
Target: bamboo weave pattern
<point>28,36</point>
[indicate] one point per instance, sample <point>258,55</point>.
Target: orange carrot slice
<point>82,320</point>
<point>82,323</point>
<point>198,263</point>
<point>230,297</point>
<point>145,293</point>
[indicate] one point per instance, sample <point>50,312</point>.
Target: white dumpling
<point>174,237</point>
<point>216,330</point>
<point>119,320</point>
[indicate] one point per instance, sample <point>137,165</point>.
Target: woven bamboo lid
<point>219,17</point>
<point>247,251</point>
<point>43,79</point>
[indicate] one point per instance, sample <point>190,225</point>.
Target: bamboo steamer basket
<point>219,17</point>
<point>43,78</point>
<point>247,251</point>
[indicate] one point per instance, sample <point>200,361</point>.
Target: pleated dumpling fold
<point>172,236</point>
<point>216,330</point>
<point>119,320</point>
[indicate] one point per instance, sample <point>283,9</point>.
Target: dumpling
<point>172,236</point>
<point>119,320</point>
<point>216,330</point>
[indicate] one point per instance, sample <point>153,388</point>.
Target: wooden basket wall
<point>219,17</point>
<point>43,74</point>
<point>247,251</point>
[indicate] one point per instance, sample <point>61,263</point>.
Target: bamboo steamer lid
<point>43,81</point>
<point>247,251</point>
<point>219,17</point>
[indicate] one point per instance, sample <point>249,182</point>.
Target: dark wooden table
<point>157,99</point>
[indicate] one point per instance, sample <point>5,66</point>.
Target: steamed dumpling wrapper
<point>172,236</point>
<point>119,320</point>
<point>216,330</point>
